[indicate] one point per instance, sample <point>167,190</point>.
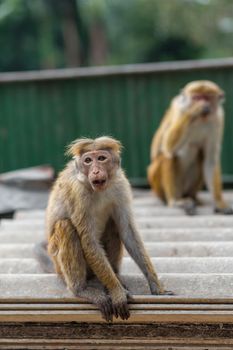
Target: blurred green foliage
<point>42,34</point>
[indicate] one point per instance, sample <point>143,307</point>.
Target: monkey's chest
<point>194,143</point>
<point>100,213</point>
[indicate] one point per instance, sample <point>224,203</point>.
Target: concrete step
<point>186,234</point>
<point>165,249</point>
<point>143,222</point>
<point>20,266</point>
<point>148,235</point>
<point>152,211</point>
<point>190,249</point>
<point>20,251</point>
<point>21,237</point>
<point>186,222</point>
<point>138,210</point>
<point>181,265</point>
<point>38,286</point>
<point>162,265</point>
<point>29,214</point>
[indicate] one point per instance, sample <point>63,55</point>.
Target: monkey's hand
<point>105,306</point>
<point>120,302</point>
<point>198,109</point>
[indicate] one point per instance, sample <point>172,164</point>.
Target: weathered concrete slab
<point>50,286</point>
<point>186,234</point>
<point>20,266</point>
<point>162,249</point>
<point>8,251</point>
<point>24,236</point>
<point>162,265</point>
<point>8,235</point>
<point>143,222</point>
<point>186,221</point>
<point>29,214</point>
<point>190,249</point>
<point>182,265</point>
<point>37,178</point>
<point>12,198</point>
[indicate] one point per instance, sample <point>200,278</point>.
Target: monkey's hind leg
<point>173,186</point>
<point>72,264</point>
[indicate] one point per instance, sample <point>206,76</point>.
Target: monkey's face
<point>98,167</point>
<point>206,95</point>
<point>209,102</point>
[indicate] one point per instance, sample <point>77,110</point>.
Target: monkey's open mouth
<point>99,182</point>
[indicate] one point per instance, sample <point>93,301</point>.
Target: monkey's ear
<point>79,146</point>
<point>222,97</point>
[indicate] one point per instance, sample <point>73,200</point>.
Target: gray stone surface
<point>8,251</point>
<point>192,255</point>
<point>37,178</point>
<point>162,265</point>
<point>20,266</point>
<point>192,265</point>
<point>186,221</point>
<point>187,285</point>
<point>14,235</point>
<point>192,249</point>
<point>12,198</point>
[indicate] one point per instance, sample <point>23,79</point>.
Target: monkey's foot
<point>166,292</point>
<point>224,211</point>
<point>189,206</point>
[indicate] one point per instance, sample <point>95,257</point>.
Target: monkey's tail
<point>41,254</point>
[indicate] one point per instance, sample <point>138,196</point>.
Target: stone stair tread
<point>155,249</point>
<point>205,222</point>
<point>17,250</point>
<point>147,234</point>
<point>192,249</point>
<point>185,285</point>
<point>190,265</point>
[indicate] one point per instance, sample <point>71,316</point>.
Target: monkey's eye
<point>102,158</point>
<point>87,160</point>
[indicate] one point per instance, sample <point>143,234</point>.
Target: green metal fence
<point>41,112</point>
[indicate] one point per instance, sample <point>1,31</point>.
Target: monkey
<point>185,150</point>
<point>88,220</point>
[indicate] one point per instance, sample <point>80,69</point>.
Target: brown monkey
<point>185,150</point>
<point>88,218</point>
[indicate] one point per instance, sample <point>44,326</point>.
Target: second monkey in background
<point>185,150</point>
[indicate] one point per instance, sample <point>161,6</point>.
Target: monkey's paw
<point>157,289</point>
<point>106,308</point>
<point>224,211</point>
<point>166,292</point>
<point>120,305</point>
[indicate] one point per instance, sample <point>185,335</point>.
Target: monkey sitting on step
<point>185,150</point>
<point>88,219</point>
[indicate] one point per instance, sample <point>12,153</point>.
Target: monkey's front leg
<point>212,174</point>
<point>136,249</point>
<point>99,263</point>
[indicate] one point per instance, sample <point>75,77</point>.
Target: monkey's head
<point>97,160</point>
<point>206,93</point>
